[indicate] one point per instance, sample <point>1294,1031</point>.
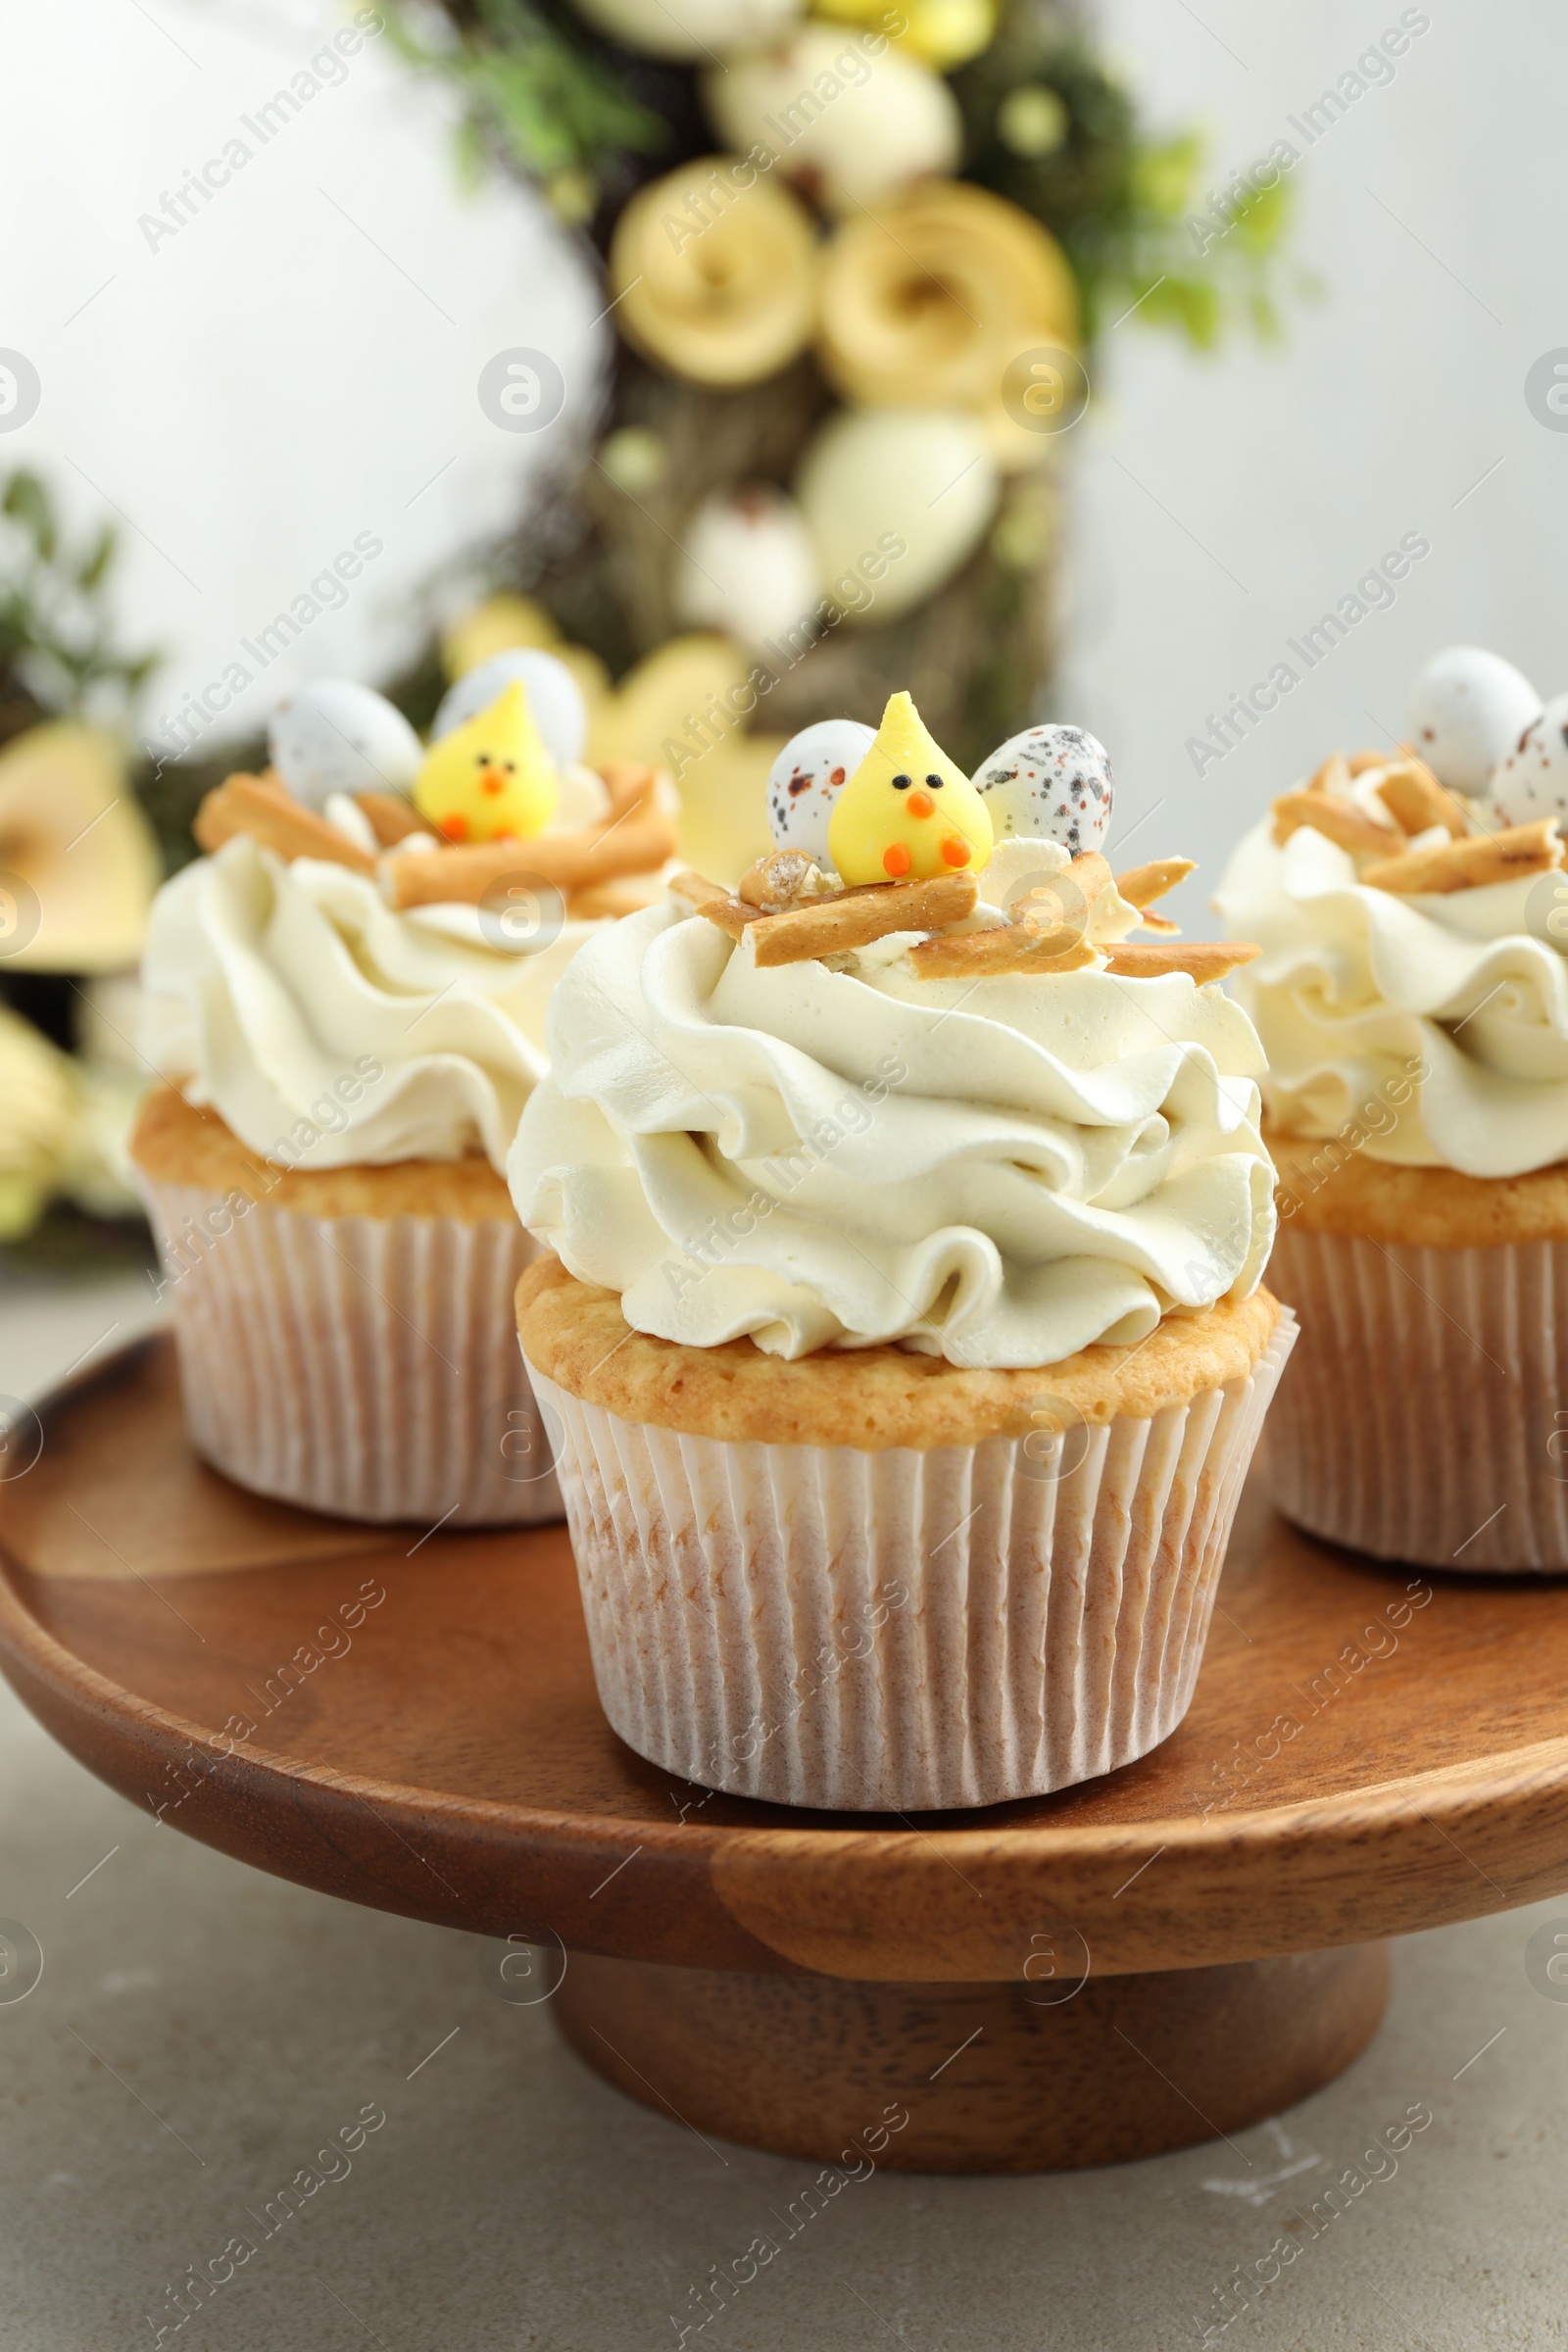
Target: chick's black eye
<point>935,783</point>
<point>481,759</point>
<point>902,783</point>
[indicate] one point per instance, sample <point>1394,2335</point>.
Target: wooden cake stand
<point>1175,1951</point>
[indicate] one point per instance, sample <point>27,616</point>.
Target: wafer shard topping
<point>1339,818</point>
<point>1470,865</point>
<point>1398,851</point>
<point>1416,800</point>
<point>834,922</point>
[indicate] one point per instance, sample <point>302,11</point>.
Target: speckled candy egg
<point>555,699</point>
<point>333,736</point>
<point>1530,779</point>
<point>806,778</point>
<point>1467,709</point>
<point>1048,784</point>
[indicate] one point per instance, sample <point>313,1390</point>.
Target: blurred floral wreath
<point>79,860</point>
<point>856,255</point>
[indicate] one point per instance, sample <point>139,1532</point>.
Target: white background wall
<point>298,364</point>
<point>1224,505</point>
<point>287,372</point>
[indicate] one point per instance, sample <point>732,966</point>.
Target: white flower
<point>846,115</point>
<point>895,500</point>
<point>692,28</point>
<point>748,566</point>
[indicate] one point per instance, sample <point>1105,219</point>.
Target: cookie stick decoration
<point>907,812</point>
<point>1048,784</point>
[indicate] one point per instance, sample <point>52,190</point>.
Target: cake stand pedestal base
<point>1174,1951</point>
<point>997,2078</point>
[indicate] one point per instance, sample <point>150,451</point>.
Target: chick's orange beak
<point>920,803</point>
<point>491,781</point>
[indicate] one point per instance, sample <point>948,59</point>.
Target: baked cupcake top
<point>954,1106</point>
<point>1413,918</point>
<point>357,971</point>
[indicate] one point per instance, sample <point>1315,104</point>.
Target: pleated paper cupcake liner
<point>1426,1414</point>
<point>902,1631</point>
<point>365,1366</point>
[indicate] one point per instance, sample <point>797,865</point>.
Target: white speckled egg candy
<point>806,778</point>
<point>1467,709</point>
<point>1530,779</point>
<point>1049,784</point>
<point>333,736</point>
<point>555,699</point>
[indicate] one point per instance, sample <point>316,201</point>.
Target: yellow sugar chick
<point>491,779</point>
<point>908,811</point>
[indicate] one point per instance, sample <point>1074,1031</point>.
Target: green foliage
<point>1125,206</point>
<point>58,654</point>
<point>549,101</point>
<point>1048,123</point>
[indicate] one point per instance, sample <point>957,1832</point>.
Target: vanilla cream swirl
<point>328,1031</point>
<point>999,1172</point>
<point>1438,1024</point>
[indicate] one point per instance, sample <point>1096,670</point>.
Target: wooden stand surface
<point>1176,1950</point>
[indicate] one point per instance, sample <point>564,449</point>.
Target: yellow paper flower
<point>927,299</point>
<point>686,706</point>
<point>714,272</point>
<point>505,621</point>
<point>37,1116</point>
<point>74,836</point>
<point>494,628</point>
<point>940,33</point>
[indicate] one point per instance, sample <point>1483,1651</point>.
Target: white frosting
<point>272,991</point>
<point>1357,991</point>
<point>1001,1172</point>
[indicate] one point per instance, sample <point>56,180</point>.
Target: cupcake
<point>1412,997</point>
<point>902,1318</point>
<point>345,999</point>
